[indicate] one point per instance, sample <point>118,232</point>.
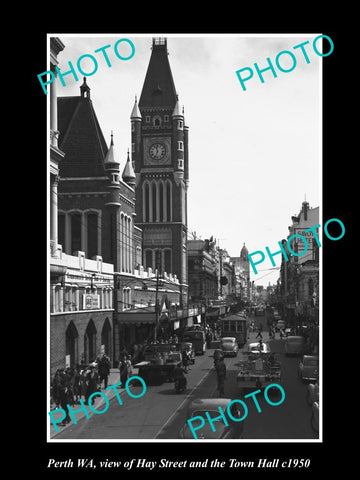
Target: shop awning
<point>136,318</point>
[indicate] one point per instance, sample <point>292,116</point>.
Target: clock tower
<point>160,160</point>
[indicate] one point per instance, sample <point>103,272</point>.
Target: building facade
<point>160,159</point>
<point>300,274</point>
<point>242,273</point>
<point>203,278</point>
<point>80,283</point>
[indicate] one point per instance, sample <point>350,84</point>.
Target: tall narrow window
<point>168,201</point>
<point>148,259</point>
<point>167,261</point>
<point>92,234</point>
<point>161,201</point>
<point>61,230</point>
<point>75,232</point>
<point>146,202</point>
<point>153,196</point>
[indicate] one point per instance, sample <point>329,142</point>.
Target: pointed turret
<point>135,114</point>
<point>110,156</point>
<point>128,174</point>
<point>176,111</point>
<point>85,89</point>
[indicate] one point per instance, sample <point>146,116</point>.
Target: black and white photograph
<point>185,228</point>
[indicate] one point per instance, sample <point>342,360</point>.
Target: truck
<point>159,362</point>
<point>258,368</point>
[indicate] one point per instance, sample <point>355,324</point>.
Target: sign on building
<point>91,301</point>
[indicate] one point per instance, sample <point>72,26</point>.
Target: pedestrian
<point>208,338</point>
<point>55,390</point>
<point>221,376</point>
<point>185,359</point>
<point>76,384</point>
<point>64,400</point>
<point>259,334</point>
<point>123,371</point>
<point>281,333</point>
<point>104,370</point>
<point>129,365</point>
<point>92,378</point>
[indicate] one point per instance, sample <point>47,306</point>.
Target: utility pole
<point>157,264</point>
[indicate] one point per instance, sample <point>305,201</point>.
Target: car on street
<point>254,349</point>
<point>294,345</point>
<point>198,408</point>
<point>314,419</point>
<point>312,393</point>
<point>229,346</point>
<point>308,369</point>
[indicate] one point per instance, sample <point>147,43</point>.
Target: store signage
<point>91,301</point>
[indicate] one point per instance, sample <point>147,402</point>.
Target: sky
<point>254,155</point>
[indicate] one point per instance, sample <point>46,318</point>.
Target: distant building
<point>300,274</point>
<point>242,273</point>
<point>203,279</point>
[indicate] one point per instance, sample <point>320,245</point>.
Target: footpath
<point>113,379</point>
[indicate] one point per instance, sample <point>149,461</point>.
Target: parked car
<point>312,393</point>
<point>294,345</point>
<point>199,407</point>
<point>315,416</point>
<point>229,346</point>
<point>309,368</point>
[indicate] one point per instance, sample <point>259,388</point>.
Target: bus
<point>235,326</point>
<point>195,336</point>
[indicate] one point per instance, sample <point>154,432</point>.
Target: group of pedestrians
<point>70,385</point>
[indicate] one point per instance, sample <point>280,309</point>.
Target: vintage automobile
<point>314,419</point>
<point>159,370</point>
<point>254,349</point>
<point>294,345</point>
<point>229,346</point>
<point>309,368</point>
<point>260,370</point>
<point>198,407</point>
<point>312,393</point>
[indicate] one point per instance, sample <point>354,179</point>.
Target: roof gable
<point>159,88</point>
<point>81,138</point>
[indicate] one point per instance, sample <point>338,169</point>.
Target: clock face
<point>157,151</point>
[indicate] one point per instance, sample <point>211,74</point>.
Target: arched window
<point>153,198</point>
<point>61,229</point>
<point>71,344</point>
<point>148,258</point>
<point>146,202</point>
<point>106,337</point>
<point>75,232</point>
<point>157,121</point>
<point>167,260</point>
<point>90,342</point>
<point>92,234</point>
<point>168,196</point>
<point>161,201</point>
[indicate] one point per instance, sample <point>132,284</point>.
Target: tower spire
<point>128,174</point>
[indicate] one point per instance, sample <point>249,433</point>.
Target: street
<point>160,412</point>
